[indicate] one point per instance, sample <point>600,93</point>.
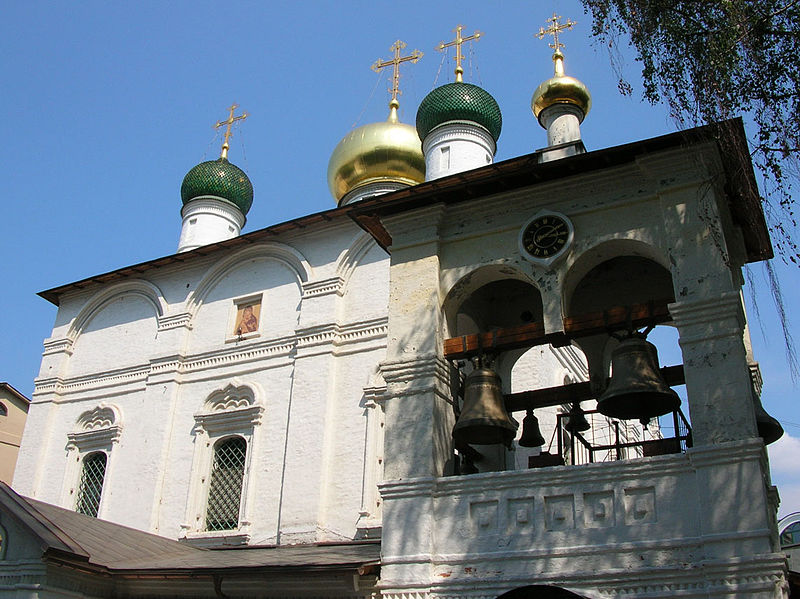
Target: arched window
<point>90,458</point>
<point>790,536</point>
<point>91,485</point>
<point>225,488</point>
<point>3,410</point>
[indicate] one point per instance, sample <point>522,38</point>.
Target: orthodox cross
<point>395,64</point>
<point>554,29</point>
<point>229,122</point>
<point>457,43</point>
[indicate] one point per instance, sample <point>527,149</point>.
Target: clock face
<point>545,236</point>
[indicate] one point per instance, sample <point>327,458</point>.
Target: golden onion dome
<point>384,151</point>
<point>560,89</point>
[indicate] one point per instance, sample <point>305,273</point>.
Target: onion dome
<point>374,153</point>
<point>459,101</point>
<point>221,179</point>
<point>560,89</point>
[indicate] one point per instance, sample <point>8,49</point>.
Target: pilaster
<point>715,364</point>
<point>419,413</point>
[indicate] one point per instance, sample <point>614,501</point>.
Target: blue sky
<point>106,106</point>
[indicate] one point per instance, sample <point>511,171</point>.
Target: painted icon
<point>247,318</point>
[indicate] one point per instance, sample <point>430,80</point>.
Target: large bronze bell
<point>483,419</point>
<point>769,429</point>
<point>531,435</point>
<point>636,390</point>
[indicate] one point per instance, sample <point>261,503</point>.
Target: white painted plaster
<point>206,220</point>
<point>456,146</point>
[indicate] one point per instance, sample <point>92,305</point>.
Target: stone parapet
<point>643,527</point>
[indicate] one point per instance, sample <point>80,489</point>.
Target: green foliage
<point>710,60</point>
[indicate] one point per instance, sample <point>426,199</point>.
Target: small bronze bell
<point>577,422</point>
<point>637,390</point>
<point>483,419</point>
<point>769,429</point>
<point>531,435</point>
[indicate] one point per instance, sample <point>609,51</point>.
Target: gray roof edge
<point>50,536</point>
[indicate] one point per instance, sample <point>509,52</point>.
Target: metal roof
<point>68,536</point>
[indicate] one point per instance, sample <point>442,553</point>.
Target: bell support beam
<point>530,335</point>
<point>556,396</point>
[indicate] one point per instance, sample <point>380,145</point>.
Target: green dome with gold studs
<point>459,101</point>
<point>221,179</point>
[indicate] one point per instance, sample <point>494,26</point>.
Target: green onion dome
<point>221,179</point>
<point>459,101</point>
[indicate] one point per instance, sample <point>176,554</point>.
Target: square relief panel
<point>519,514</point>
<point>598,509</point>
<point>483,517</point>
<point>640,505</point>
<point>559,512</point>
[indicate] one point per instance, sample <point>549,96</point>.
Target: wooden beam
<point>530,335</point>
<point>566,394</point>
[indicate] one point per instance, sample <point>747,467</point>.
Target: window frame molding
<point>96,430</point>
<point>233,411</point>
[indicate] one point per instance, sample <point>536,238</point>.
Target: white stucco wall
<point>158,347</point>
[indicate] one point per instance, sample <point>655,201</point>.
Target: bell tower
<point>580,256</point>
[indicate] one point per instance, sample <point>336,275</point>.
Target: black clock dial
<point>545,236</point>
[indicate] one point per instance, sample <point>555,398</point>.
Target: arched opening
<point>633,284</point>
<point>225,488</point>
<point>498,302</point>
<point>498,305</point>
<point>540,592</point>
<point>90,488</point>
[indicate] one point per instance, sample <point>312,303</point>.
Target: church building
<point>440,388</point>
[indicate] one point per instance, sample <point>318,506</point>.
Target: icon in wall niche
<point>247,316</point>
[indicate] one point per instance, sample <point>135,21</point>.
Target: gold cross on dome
<point>395,64</point>
<point>457,43</point>
<point>229,122</point>
<point>554,29</point>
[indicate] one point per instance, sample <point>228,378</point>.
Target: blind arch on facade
<point>225,487</point>
<point>90,488</point>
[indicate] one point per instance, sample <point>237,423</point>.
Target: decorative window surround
<point>96,430</point>
<point>231,411</point>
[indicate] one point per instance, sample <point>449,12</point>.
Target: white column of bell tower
<point>208,219</point>
<point>455,147</point>
<point>563,125</point>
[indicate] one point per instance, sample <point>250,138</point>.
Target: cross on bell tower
<point>554,29</point>
<point>458,42</point>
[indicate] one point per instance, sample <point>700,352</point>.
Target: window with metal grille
<point>225,489</point>
<point>91,486</point>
